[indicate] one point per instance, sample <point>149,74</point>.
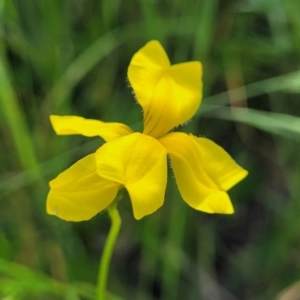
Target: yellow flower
<point>169,95</point>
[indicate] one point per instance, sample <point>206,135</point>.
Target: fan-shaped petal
<point>219,165</point>
<point>203,172</point>
<point>79,193</point>
<point>137,162</point>
<point>68,125</point>
<point>169,95</point>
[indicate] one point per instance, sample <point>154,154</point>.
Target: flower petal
<point>79,193</point>
<point>202,187</point>
<point>139,163</point>
<point>169,95</point>
<point>67,125</point>
<point>219,165</point>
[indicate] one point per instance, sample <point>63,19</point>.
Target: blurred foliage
<point>71,57</point>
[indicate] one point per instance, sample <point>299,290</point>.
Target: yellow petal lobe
<point>139,163</point>
<point>69,125</point>
<point>79,193</point>
<point>216,202</point>
<point>201,187</point>
<point>219,165</point>
<point>169,95</point>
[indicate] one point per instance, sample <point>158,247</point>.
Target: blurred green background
<point>71,57</point>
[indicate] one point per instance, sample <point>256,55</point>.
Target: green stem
<point>107,251</point>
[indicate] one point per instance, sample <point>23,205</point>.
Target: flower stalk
<point>107,251</point>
